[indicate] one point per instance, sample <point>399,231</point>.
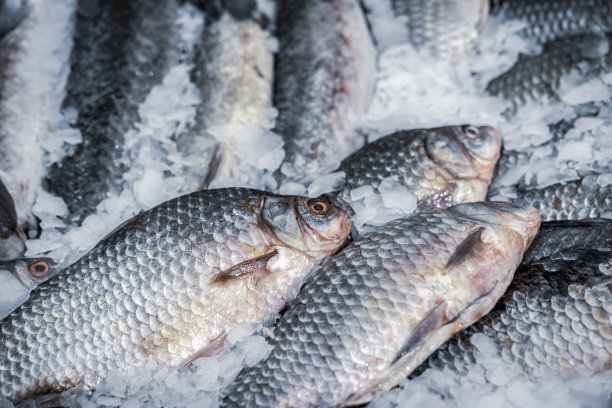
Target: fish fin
<point>433,321</point>
<point>251,267</point>
<point>466,248</point>
<point>8,214</point>
<point>214,347</point>
<point>213,167</point>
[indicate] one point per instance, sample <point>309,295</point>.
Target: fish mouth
<point>523,219</point>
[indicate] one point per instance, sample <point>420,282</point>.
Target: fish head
<point>29,272</point>
<point>465,151</point>
<point>312,226</point>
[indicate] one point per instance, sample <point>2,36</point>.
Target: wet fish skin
<point>547,20</point>
<point>165,287</point>
<point>578,199</point>
<point>12,238</point>
<point>537,78</point>
<point>440,166</point>
<point>324,81</point>
<point>445,28</point>
<point>556,315</point>
<point>370,315</point>
<point>121,50</point>
<point>19,277</point>
<point>12,13</point>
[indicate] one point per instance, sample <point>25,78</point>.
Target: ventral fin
<point>212,348</point>
<point>252,267</point>
<point>433,321</point>
<point>466,248</point>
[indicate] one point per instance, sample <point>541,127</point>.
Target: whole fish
<point>550,19</point>
<point>21,105</point>
<point>19,277</point>
<point>588,197</point>
<point>556,316</point>
<point>537,78</point>
<point>12,238</point>
<point>375,311</point>
<point>445,28</point>
<point>166,286</point>
<point>324,80</point>
<point>121,50</point>
<point>233,67</point>
<point>12,13</point>
<point>440,166</point>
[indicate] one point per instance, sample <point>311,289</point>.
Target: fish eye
<point>39,268</point>
<point>318,207</point>
<point>471,131</point>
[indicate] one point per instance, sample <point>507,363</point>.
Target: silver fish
<point>19,277</point>
<point>166,287</point>
<point>550,19</point>
<point>537,78</point>
<point>440,166</point>
<point>121,50</point>
<point>445,28</point>
<point>324,80</point>
<point>375,311</point>
<point>556,316</point>
<point>578,199</point>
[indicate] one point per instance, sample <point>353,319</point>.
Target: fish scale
<point>339,340</point>
<point>145,292</point>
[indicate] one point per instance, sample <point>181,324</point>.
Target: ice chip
<point>326,184</point>
<point>397,196</point>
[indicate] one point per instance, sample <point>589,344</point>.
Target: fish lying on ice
<point>445,28</point>
<point>121,50</point>
<point>550,19</point>
<point>375,311</point>
<point>556,316</point>
<point>166,287</point>
<point>19,277</point>
<point>441,167</point>
<point>537,78</point>
<point>324,81</point>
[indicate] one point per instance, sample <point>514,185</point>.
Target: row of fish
<point>170,283</point>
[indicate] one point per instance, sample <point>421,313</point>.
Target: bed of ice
<point>413,90</point>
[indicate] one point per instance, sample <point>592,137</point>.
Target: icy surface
<point>413,90</point>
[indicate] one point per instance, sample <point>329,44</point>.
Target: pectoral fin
<point>252,267</point>
<point>466,248</point>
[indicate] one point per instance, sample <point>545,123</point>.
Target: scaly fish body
<point>556,316</point>
<point>578,199</point>
<point>166,287</point>
<point>121,50</point>
<point>550,19</point>
<point>233,68</point>
<point>370,315</point>
<point>324,80</point>
<point>537,78</point>
<point>445,28</point>
<point>441,166</point>
<point>19,277</point>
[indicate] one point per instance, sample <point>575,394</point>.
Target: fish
<point>19,277</point>
<point>21,155</point>
<point>166,287</point>
<point>371,314</point>
<point>233,70</point>
<point>441,167</point>
<point>548,20</point>
<point>556,317</point>
<point>588,197</point>
<point>444,28</point>
<point>121,50</point>
<point>12,238</point>
<point>536,78</point>
<point>12,13</point>
<point>324,80</point>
